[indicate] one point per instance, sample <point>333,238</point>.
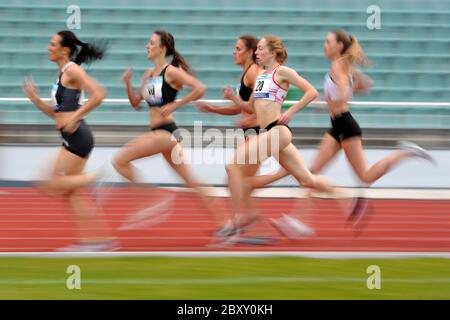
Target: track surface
<point>33,222</point>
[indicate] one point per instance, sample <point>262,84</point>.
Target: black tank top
<point>66,99</point>
<point>157,92</point>
<point>244,91</point>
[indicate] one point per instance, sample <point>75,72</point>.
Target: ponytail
<point>352,50</point>
<point>82,52</point>
<point>179,61</point>
<point>168,42</point>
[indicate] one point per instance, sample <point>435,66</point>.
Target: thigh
<point>147,145</point>
<point>328,149</point>
<point>262,147</point>
<point>291,160</point>
<point>68,163</point>
<point>355,154</point>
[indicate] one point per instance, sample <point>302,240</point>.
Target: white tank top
<point>332,90</point>
<point>267,88</point>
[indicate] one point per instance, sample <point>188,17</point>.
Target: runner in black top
<point>68,111</point>
<point>159,88</point>
<point>244,55</point>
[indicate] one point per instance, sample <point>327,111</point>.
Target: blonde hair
<point>276,46</point>
<point>351,51</point>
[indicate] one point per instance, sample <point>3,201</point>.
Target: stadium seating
<point>409,53</point>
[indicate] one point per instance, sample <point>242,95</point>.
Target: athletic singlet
<point>332,90</point>
<point>65,99</point>
<point>157,92</point>
<point>244,91</point>
<point>267,88</point>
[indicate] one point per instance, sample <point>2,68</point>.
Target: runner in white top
<point>275,138</point>
<point>344,52</point>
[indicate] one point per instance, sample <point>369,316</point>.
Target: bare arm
<point>361,82</point>
<point>95,91</point>
<point>285,74</point>
<point>245,105</point>
<point>183,78</point>
<point>29,88</point>
<point>134,96</point>
<point>228,110</point>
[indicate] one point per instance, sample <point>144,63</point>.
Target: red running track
<point>33,222</point>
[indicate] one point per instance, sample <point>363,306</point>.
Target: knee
<point>367,181</point>
<point>231,168</point>
<point>247,186</point>
<point>309,183</point>
<point>118,162</point>
<point>365,178</point>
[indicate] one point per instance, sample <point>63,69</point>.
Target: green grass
<point>223,278</point>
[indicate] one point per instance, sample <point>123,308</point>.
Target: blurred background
<point>409,54</point>
<point>410,100</point>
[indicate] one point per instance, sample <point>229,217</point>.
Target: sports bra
<point>157,92</point>
<point>65,99</point>
<point>267,88</point>
<point>332,90</point>
<point>244,91</point>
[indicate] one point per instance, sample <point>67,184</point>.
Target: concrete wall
<point>21,163</point>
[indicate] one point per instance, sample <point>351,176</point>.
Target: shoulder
<point>252,73</point>
<point>284,72</point>
<point>74,71</point>
<point>147,74</point>
<point>254,69</point>
<point>173,71</point>
<point>340,67</point>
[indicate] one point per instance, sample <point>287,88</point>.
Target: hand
<point>29,88</point>
<point>361,82</point>
<point>71,125</point>
<point>285,117</point>
<point>168,109</point>
<point>203,106</point>
<point>228,93</point>
<point>127,75</point>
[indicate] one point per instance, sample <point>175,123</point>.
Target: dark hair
<point>276,46</point>
<point>168,42</point>
<point>351,50</point>
<point>82,52</point>
<point>251,43</point>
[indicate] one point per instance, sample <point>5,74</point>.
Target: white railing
<point>318,102</point>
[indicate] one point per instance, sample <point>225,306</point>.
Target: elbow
<point>200,91</point>
<point>135,103</point>
<point>314,94</point>
<point>100,95</point>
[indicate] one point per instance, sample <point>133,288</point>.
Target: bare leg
<point>90,226</point>
<point>355,154</point>
<point>184,171</point>
<point>259,148</point>
<point>144,146</point>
